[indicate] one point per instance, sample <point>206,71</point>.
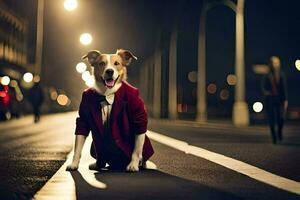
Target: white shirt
<point>106,106</point>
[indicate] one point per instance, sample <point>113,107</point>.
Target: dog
<point>115,114</point>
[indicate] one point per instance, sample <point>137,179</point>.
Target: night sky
<point>271,28</point>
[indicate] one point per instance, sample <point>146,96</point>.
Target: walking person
<point>36,98</point>
<point>274,89</point>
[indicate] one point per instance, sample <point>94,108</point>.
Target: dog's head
<point>110,69</point>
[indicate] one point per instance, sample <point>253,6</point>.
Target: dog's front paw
<point>133,166</point>
<point>73,166</point>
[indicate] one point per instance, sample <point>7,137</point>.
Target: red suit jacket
<point>128,117</point>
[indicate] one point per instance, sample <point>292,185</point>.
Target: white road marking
<point>62,185</point>
<point>230,163</point>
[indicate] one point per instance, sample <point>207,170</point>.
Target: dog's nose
<point>109,72</point>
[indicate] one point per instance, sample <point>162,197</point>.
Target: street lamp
<point>257,107</point>
<point>28,77</point>
<point>85,75</point>
<point>90,81</point>
<point>70,5</point>
<point>85,38</point>
<point>297,65</point>
<point>81,67</point>
<point>5,80</point>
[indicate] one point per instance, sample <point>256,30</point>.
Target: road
<point>31,153</point>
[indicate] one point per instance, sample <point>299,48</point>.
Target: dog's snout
<point>109,72</point>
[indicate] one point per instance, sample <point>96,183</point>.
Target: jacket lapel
<point>96,112</point>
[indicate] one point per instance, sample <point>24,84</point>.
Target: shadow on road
<point>146,184</point>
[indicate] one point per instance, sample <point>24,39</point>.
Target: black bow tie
<point>101,98</point>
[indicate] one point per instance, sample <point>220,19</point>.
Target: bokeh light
<point>211,88</point>
<point>63,100</point>
<point>192,76</point>
<point>5,80</point>
<point>70,5</point>
<point>85,39</point>
<point>90,81</point>
<point>85,75</point>
<point>224,94</point>
<point>257,107</point>
<point>28,77</point>
<point>36,78</point>
<point>297,65</point>
<point>13,83</point>
<point>231,79</point>
<point>81,67</point>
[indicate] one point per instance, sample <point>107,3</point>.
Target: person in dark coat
<point>274,89</point>
<point>36,98</point>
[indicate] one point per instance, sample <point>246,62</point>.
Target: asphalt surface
<point>252,145</point>
<point>31,153</point>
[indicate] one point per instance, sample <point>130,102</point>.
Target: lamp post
<point>172,75</point>
<point>201,73</point>
<point>39,37</point>
<point>240,108</point>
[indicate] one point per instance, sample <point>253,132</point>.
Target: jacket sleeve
<point>139,118</point>
<point>264,89</point>
<point>82,126</point>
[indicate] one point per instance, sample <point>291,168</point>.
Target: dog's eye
<point>117,63</point>
<point>102,63</point>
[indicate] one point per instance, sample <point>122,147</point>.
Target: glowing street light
<point>297,65</point>
<point>70,5</point>
<point>63,100</point>
<point>85,75</point>
<point>85,38</point>
<point>231,79</point>
<point>5,80</point>
<point>28,77</point>
<point>257,107</point>
<point>81,67</point>
<point>192,76</point>
<point>90,81</point>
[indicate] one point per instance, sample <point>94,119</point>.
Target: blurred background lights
<point>28,77</point>
<point>85,39</point>
<point>297,65</point>
<point>212,88</point>
<point>70,5</point>
<point>36,78</point>
<point>63,100</point>
<point>224,94</point>
<point>53,93</point>
<point>81,67</point>
<point>90,81</point>
<point>231,79</point>
<point>192,76</point>
<point>5,80</point>
<point>13,83</point>
<point>257,107</point>
<point>85,75</point>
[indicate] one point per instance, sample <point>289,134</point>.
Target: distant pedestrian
<point>274,89</point>
<point>36,98</point>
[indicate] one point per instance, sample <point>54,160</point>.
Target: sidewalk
<point>219,124</point>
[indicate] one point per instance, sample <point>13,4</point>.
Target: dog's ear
<point>92,56</point>
<point>126,55</point>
